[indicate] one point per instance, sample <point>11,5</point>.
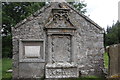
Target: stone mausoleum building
<point>57,41</point>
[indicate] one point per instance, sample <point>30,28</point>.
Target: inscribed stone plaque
<point>32,51</point>
<point>61,48</point>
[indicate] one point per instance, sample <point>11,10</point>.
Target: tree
<point>112,35</point>
<point>80,6</point>
<point>6,46</point>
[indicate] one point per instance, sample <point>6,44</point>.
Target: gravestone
<point>114,61</point>
<point>57,41</point>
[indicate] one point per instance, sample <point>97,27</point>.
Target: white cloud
<point>103,12</point>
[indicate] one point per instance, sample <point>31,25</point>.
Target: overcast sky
<point>103,12</point>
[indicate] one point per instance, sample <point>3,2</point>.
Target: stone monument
<point>57,41</point>
<point>114,61</point>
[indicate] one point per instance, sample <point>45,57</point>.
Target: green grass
<point>6,64</point>
<point>0,69</point>
<point>106,60</point>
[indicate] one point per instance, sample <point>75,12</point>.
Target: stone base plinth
<point>61,70</point>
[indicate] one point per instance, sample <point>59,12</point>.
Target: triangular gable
<point>63,6</point>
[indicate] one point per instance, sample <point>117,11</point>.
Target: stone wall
<point>88,39</point>
<point>89,46</point>
<point>30,28</point>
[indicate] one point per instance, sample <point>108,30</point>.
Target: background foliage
<point>112,35</point>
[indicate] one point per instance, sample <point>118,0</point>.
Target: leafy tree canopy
<point>112,35</point>
<point>80,6</point>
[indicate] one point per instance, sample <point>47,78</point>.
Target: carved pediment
<point>59,19</point>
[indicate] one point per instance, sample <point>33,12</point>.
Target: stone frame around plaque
<point>62,66</point>
<point>31,42</point>
<point>62,32</point>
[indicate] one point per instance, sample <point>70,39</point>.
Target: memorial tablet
<point>32,51</point>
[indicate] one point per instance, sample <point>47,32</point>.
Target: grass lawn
<point>106,60</point>
<point>6,64</point>
<point>0,69</point>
